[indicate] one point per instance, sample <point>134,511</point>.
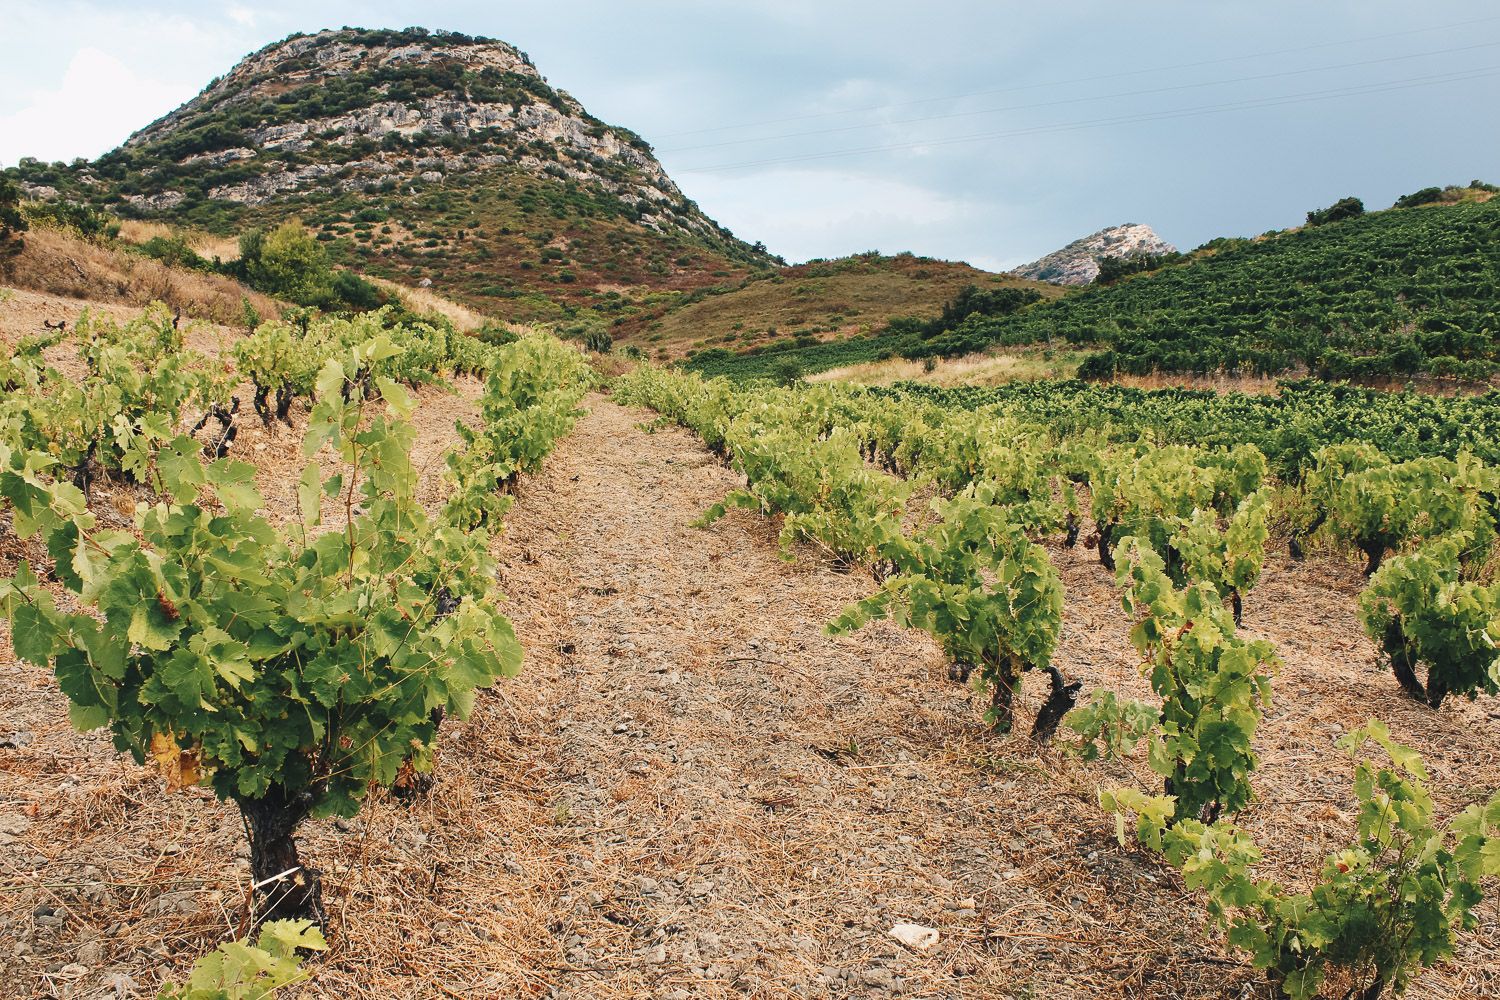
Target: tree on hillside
<point>12,225</point>
<point>1344,208</point>
<point>289,264</point>
<point>286,262</point>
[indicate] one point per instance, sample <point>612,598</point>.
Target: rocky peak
<point>321,115</point>
<point>1077,263</point>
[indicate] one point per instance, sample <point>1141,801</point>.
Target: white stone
<point>915,936</point>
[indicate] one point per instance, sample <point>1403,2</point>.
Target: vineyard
<point>1184,529</point>
<point>1397,293</point>
<point>272,578</point>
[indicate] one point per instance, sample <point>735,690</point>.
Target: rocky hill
<point>417,155</point>
<point>1077,264</point>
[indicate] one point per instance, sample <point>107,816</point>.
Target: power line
<point>1084,100</point>
<point>1088,79</point>
<point>1201,111</point>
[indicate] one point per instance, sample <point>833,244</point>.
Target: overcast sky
<point>991,132</point>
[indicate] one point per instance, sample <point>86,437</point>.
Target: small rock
<point>657,954</point>
<point>91,954</point>
<point>915,936</point>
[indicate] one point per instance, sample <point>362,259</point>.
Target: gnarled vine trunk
<point>1294,541</point>
<point>1401,663</point>
<point>1004,681</point>
<point>285,888</point>
<point>1074,523</point>
<point>1058,704</point>
<point>1106,537</point>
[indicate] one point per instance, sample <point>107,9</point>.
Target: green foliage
<point>1214,685</point>
<point>1228,558</point>
<point>599,341</point>
<point>174,252</point>
<point>1344,208</point>
<point>237,970</point>
<point>85,220</point>
<point>1289,427</point>
<point>12,222</point>
<point>1421,611</point>
<point>978,585</point>
<point>1380,506</point>
<point>1108,725</point>
<point>288,263</point>
<point>124,407</point>
<point>282,358</point>
<point>971,577</point>
<point>301,658</point>
<point>785,371</point>
<point>1426,196</point>
<point>292,668</point>
<point>1173,497</point>
<point>1386,293</point>
<point>1381,909</point>
<point>1112,269</point>
<point>532,390</point>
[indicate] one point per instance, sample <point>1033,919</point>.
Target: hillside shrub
<point>85,220</point>
<point>12,222</point>
<point>289,263</point>
<point>1344,208</point>
<point>1426,196</point>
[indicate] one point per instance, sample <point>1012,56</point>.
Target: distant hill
<point>1392,295</point>
<point>418,154</point>
<point>1078,264</point>
<point>1406,291</point>
<point>821,300</point>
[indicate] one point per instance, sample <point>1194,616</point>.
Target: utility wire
<point>1194,112</point>
<point>1083,100</point>
<point>1089,79</point>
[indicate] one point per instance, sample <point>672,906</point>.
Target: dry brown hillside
<point>823,299</point>
<point>57,264</point>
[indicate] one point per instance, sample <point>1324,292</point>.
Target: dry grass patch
<point>57,264</point>
<point>971,369</point>
<point>425,300</point>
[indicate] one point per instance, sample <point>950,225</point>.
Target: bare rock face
<point>1077,264</point>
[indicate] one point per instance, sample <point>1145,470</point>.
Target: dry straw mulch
<point>693,792</point>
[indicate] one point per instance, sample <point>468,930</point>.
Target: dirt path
<point>744,806</point>
<point>693,792</point>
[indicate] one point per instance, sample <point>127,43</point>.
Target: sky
<point>991,132</point>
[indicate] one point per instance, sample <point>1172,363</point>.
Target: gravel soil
<point>691,791</point>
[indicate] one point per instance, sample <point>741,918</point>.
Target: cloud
<point>243,16</point>
<point>821,213</point>
<point>88,112</point>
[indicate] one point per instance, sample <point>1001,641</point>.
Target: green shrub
<point>85,220</point>
<point>1344,208</point>
<point>1426,196</point>
<point>12,222</point>
<point>785,371</point>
